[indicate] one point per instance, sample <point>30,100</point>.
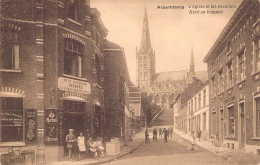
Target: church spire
<point>192,65</point>
<point>145,41</point>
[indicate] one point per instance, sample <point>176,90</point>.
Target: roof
<point>111,45</point>
<point>234,21</point>
<point>202,75</point>
<point>170,76</point>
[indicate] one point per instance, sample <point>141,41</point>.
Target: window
<point>195,104</point>
<point>213,84</point>
<point>73,52</point>
<point>241,66</point>
<point>10,50</point>
<point>257,101</point>
<point>231,121</point>
<point>221,84</point>
<point>73,106</point>
<point>204,97</point>
<point>257,55</point>
<point>11,115</point>
<point>97,68</point>
<point>199,101</point>
<point>74,10</point>
<point>230,75</point>
<point>191,106</point>
<point>204,121</point>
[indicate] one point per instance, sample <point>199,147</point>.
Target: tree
<point>150,109</point>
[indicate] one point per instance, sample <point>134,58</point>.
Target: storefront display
<point>31,126</point>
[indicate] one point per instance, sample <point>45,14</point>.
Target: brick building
<point>51,73</point>
<point>117,87</point>
<point>234,79</point>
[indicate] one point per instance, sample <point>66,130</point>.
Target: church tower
<point>145,58</point>
<point>192,65</point>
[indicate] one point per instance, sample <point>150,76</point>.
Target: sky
<point>173,32</point>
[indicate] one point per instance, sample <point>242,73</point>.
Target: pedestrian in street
<point>165,135</point>
<point>160,132</point>
<point>199,134</point>
<point>70,140</point>
<point>154,134</point>
<point>171,131</point>
<point>81,145</point>
<point>216,143</point>
<point>193,140</point>
<point>146,134</point>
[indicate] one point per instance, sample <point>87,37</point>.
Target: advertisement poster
<point>31,126</point>
<point>51,126</point>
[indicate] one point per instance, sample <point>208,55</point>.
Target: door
<point>221,126</point>
<point>242,126</point>
<point>72,121</point>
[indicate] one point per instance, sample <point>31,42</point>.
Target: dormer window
<point>74,10</point>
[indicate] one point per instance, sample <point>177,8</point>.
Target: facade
<point>163,87</point>
<point>197,118</point>
<point>117,87</point>
<point>234,71</point>
<point>51,74</point>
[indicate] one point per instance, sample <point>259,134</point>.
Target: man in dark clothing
<point>154,134</point>
<point>146,136</point>
<point>171,131</point>
<point>165,135</point>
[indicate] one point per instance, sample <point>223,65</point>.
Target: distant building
<point>234,80</point>
<point>163,87</point>
<point>135,107</point>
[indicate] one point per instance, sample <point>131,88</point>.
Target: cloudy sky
<point>173,31</point>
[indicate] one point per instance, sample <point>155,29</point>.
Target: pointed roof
<point>145,40</point>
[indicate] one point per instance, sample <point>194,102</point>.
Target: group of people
<point>162,132</point>
<point>94,147</point>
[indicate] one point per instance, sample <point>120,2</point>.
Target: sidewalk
<point>131,146</point>
<point>234,156</point>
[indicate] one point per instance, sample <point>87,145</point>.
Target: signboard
<point>12,118</point>
<point>31,125</point>
<point>71,85</point>
<point>51,126</point>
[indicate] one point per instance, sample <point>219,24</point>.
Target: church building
<point>165,86</point>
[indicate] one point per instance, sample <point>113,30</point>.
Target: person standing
<point>70,140</point>
<point>165,135</point>
<point>81,145</point>
<point>171,131</point>
<point>160,132</point>
<point>154,134</point>
<point>168,132</point>
<point>146,134</point>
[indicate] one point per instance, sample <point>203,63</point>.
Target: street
<point>176,151</point>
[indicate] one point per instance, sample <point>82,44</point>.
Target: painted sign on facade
<point>51,126</point>
<point>71,85</point>
<point>31,125</point>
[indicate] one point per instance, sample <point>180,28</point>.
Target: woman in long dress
<point>81,144</point>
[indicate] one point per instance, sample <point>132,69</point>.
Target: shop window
<point>257,55</point>
<point>12,119</point>
<point>231,121</point>
<point>10,50</point>
<point>73,106</point>
<point>74,10</point>
<point>241,66</point>
<point>73,52</point>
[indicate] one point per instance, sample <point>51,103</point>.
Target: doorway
<point>221,125</point>
<point>241,134</point>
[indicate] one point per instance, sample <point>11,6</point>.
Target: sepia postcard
<point>145,82</point>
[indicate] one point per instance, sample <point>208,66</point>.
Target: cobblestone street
<point>176,151</point>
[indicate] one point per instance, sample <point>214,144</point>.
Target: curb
<point>117,157</point>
